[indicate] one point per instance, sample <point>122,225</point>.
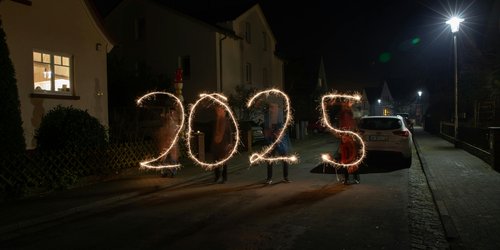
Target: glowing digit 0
<point>148,163</point>
<point>221,100</point>
<point>263,155</point>
<point>326,121</point>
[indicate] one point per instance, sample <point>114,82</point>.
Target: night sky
<point>363,43</point>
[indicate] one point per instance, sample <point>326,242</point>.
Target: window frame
<point>53,92</point>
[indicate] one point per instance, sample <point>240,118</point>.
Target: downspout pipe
<point>220,62</point>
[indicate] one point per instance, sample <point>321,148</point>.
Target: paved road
<point>312,212</point>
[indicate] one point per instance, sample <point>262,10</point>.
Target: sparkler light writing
<point>221,100</point>
<point>326,121</point>
<point>263,155</point>
<point>148,163</point>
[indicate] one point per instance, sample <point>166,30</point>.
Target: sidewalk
<point>466,192</point>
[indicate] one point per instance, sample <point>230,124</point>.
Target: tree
<point>11,129</point>
<point>238,102</point>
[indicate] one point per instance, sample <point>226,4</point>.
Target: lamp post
<point>454,23</point>
<point>419,110</point>
<point>379,107</point>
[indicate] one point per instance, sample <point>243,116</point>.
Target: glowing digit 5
<point>148,163</point>
<point>220,100</point>
<point>326,122</point>
<point>263,155</point>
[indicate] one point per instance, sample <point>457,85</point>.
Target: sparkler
<point>326,121</point>
<point>147,163</point>
<point>262,156</point>
<point>220,100</point>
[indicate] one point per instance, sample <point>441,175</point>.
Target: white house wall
<point>254,52</point>
<point>56,26</point>
<point>168,35</point>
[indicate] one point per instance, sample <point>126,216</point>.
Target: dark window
<point>27,2</point>
<point>140,28</point>
<point>248,32</point>
<point>264,39</point>
<point>186,67</point>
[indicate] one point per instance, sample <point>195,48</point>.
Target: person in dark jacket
<point>221,142</point>
<point>273,124</point>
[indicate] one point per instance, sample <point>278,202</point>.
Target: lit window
<point>248,73</point>
<point>52,73</point>
<point>387,112</point>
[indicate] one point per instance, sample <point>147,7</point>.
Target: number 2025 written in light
<point>265,155</point>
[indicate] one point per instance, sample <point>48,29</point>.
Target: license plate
<point>377,138</point>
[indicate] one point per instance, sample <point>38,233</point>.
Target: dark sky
<point>362,42</point>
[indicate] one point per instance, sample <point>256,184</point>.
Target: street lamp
<point>454,23</point>
<point>418,107</point>
<point>380,111</point>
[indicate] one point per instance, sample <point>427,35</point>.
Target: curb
<point>451,232</point>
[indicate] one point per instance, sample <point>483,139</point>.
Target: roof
<point>373,93</point>
<point>98,22</point>
<point>212,12</point>
<point>180,8</point>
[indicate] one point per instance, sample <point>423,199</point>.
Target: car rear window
<point>380,123</point>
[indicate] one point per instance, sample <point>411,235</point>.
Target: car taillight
<point>404,133</point>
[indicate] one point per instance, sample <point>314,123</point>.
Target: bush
<point>68,127</point>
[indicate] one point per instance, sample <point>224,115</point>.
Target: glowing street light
<point>454,23</point>
<point>419,93</point>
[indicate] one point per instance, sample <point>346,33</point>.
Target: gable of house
<point>257,45</point>
<point>385,95</point>
<point>59,53</point>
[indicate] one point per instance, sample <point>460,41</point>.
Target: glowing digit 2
<point>147,163</point>
<point>262,156</point>
<point>326,121</point>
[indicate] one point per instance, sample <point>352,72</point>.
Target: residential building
<point>215,56</point>
<point>58,49</point>
<point>380,100</point>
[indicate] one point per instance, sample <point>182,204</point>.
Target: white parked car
<point>387,134</point>
<point>257,132</point>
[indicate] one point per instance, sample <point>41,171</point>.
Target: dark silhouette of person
<point>222,142</point>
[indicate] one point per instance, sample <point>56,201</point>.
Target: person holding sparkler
<point>273,124</point>
<point>221,142</point>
